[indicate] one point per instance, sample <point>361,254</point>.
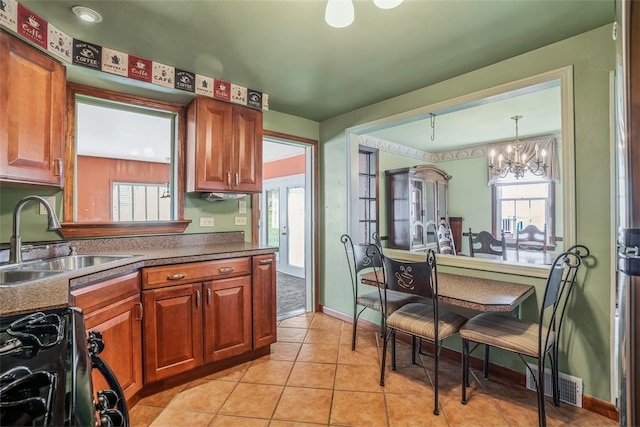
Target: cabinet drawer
<point>99,295</point>
<point>156,277</point>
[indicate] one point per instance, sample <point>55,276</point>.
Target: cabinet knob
<point>265,261</point>
<point>178,276</point>
<point>197,299</point>
<point>225,270</point>
<point>237,179</point>
<point>229,179</point>
<point>208,297</point>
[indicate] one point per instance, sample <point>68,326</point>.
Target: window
<point>125,150</point>
<point>518,203</point>
<point>367,194</point>
<point>141,202</point>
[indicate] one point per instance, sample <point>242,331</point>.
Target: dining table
<point>474,293</point>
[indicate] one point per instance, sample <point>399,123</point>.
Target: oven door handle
<point>98,363</point>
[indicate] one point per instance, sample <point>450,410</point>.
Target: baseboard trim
<point>590,403</point>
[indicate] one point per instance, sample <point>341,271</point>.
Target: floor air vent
<point>570,386</point>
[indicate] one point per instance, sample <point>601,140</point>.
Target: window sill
<point>72,230</point>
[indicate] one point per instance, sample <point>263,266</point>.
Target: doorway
<point>285,222</point>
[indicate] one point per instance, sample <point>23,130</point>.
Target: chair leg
<point>542,418</point>
<point>353,336</point>
<point>485,368</point>
<point>554,374</point>
<point>413,349</point>
<point>384,356</point>
<point>393,349</point>
<point>465,370</point>
<point>435,385</point>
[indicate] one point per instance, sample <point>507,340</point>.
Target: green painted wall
<point>586,336</point>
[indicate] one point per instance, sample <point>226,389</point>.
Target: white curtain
<point>528,147</point>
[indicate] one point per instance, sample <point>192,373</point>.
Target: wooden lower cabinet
<point>172,330</point>
<point>210,319</point>
<point>227,318</point>
<point>264,300</point>
<point>113,308</point>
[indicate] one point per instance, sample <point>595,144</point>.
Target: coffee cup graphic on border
<point>140,64</point>
<point>3,5</point>
<point>86,53</point>
<point>33,22</point>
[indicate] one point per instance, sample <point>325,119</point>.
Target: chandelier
<point>340,13</point>
<point>518,162</point>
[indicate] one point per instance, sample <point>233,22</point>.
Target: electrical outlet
<point>206,222</point>
<point>52,202</point>
<point>241,220</point>
<point>242,206</point>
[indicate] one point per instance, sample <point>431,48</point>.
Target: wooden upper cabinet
<point>32,93</point>
<point>224,147</point>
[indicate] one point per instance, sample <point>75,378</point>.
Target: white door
<point>284,208</point>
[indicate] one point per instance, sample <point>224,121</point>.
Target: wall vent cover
<point>570,387</point>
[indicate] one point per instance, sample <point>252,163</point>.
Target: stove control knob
<point>95,344</point>
<point>111,417</point>
<point>107,399</point>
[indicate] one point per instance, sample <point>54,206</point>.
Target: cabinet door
<point>32,90</point>
<point>227,318</point>
<point>264,300</point>
<point>247,150</point>
<point>120,324</point>
<point>172,330</point>
<point>213,130</point>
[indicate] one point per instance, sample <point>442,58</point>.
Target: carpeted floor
<point>290,291</point>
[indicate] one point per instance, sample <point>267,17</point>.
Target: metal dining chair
<point>358,261</point>
<point>422,320</point>
<point>485,243</point>
<point>537,340</point>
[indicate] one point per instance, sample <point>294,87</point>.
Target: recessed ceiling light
<point>87,14</point>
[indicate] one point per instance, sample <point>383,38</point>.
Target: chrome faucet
<point>15,244</point>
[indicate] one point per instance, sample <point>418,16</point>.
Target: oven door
<point>108,407</point>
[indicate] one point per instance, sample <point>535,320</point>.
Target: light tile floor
<point>313,378</point>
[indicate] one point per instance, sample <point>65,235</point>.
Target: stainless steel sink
<point>13,276</point>
<point>72,262</point>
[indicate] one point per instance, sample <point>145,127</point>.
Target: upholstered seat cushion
<point>417,319</point>
<point>395,300</point>
<point>505,332</point>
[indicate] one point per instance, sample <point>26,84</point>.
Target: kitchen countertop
<point>53,291</point>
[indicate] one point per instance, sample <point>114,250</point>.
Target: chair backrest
<point>531,238</point>
<point>417,278</point>
<point>358,259</point>
<point>485,243</point>
<point>560,282</point>
<point>444,238</point>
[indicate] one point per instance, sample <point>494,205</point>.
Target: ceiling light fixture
<point>339,13</point>
<point>518,161</point>
<point>387,4</point>
<point>87,14</point>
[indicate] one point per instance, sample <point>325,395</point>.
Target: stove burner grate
<point>26,397</point>
<point>28,334</point>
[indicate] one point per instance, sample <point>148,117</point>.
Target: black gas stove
<point>45,373</point>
